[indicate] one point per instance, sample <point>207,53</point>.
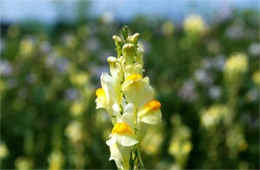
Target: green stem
<point>139,155</point>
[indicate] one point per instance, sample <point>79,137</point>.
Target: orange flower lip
<point>122,128</point>
<point>134,77</point>
<point>152,105</point>
<point>100,92</point>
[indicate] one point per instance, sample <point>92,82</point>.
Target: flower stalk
<point>129,99</point>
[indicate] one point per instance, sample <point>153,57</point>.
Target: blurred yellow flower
<point>56,160</point>
<point>74,131</point>
<point>79,79</point>
<point>3,151</point>
<point>180,144</point>
<point>153,139</point>
<point>236,63</point>
<point>194,24</point>
<point>77,108</point>
<point>214,115</point>
<point>180,147</point>
<point>187,146</point>
<point>168,28</point>
<point>23,163</point>
<point>26,47</point>
<point>256,77</point>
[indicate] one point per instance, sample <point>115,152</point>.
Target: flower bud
<point>134,38</point>
<point>117,75</point>
<point>118,40</point>
<point>119,43</point>
<point>129,50</point>
<point>139,57</point>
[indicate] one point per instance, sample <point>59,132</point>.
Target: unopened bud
<point>112,59</point>
<point>134,38</point>
<point>140,51</point>
<point>118,40</point>
<point>129,50</point>
<point>139,56</point>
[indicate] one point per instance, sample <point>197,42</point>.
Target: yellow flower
<point>128,97</point>
<point>117,76</point>
<point>79,78</point>
<point>56,160</point>
<point>122,129</point>
<point>137,90</point>
<point>26,47</point>
<point>153,140</point>
<point>77,109</point>
<point>236,63</point>
<point>194,24</point>
<point>100,92</point>
<point>122,138</point>
<point>74,131</point>
<point>116,155</point>
<point>106,95</point>
<point>22,163</point>
<point>150,113</point>
<point>133,69</point>
<point>134,38</point>
<point>134,77</point>
<point>256,77</point>
<point>214,115</point>
<point>152,105</point>
<point>3,151</point>
<point>129,52</point>
<point>101,98</point>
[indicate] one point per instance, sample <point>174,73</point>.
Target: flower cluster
<point>129,99</point>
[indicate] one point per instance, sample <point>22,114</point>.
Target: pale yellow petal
<point>137,90</point>
<point>152,118</point>
<point>150,113</point>
<point>101,100</point>
<point>126,140</point>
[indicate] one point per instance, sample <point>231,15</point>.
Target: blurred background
<point>202,58</point>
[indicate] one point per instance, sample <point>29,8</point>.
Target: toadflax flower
<point>235,68</point>
<point>194,24</point>
<point>129,99</point>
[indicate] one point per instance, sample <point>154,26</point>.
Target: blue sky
<point>46,10</point>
